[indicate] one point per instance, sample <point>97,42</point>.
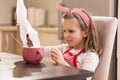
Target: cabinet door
<point>8,43</point>
<point>18,44</point>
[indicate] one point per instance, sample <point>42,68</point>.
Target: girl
<point>83,47</point>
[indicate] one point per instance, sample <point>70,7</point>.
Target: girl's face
<point>73,34</point>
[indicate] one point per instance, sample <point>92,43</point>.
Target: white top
<point>87,61</point>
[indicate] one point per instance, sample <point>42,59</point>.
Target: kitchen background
<point>7,8</point>
<point>52,19</point>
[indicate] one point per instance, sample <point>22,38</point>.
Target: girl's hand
<point>57,56</point>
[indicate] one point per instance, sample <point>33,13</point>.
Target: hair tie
<point>83,15</point>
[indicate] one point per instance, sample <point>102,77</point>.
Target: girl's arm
<point>47,49</point>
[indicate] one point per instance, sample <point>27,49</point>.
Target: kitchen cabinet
<point>10,40</point>
<point>6,42</point>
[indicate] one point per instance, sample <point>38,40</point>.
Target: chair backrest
<point>106,27</point>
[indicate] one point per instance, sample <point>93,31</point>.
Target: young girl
<point>83,47</point>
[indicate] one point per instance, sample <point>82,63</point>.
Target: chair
<point>106,27</point>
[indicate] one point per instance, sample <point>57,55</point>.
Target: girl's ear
<point>86,33</point>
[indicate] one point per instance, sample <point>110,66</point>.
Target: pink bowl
<point>33,55</point>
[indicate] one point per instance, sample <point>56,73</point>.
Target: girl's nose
<point>66,34</point>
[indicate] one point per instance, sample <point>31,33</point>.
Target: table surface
<point>13,67</point>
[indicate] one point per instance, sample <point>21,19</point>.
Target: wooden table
<point>13,67</point>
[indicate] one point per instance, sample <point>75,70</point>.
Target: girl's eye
<point>70,31</point>
<point>64,31</point>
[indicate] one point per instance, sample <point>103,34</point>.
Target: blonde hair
<point>92,41</point>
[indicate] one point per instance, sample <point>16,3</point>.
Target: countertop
<point>40,29</point>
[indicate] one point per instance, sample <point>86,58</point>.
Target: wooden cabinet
<point>7,43</point>
<point>10,40</point>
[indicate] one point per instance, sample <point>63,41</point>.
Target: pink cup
<point>33,55</point>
